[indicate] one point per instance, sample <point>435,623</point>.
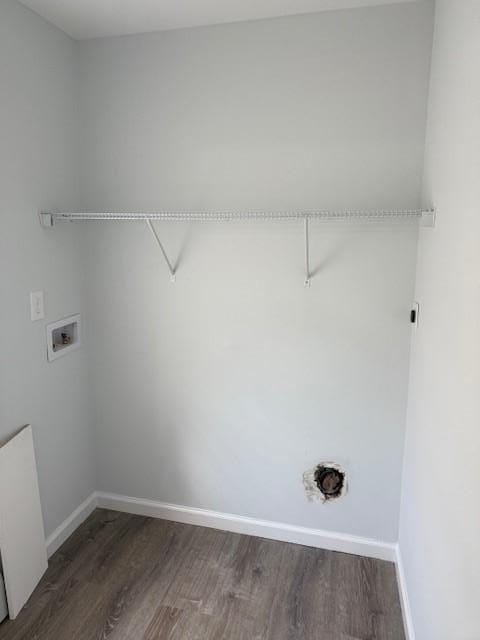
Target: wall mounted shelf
<point>425,217</point>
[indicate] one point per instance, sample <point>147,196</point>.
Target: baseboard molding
<point>318,538</point>
<point>403,592</point>
<point>68,526</point>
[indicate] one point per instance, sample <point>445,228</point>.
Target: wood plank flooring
<point>122,577</point>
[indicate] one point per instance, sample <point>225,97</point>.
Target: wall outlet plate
<point>63,337</point>
<point>37,306</point>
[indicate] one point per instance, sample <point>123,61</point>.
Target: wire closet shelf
<point>224,216</point>
<point>425,217</point>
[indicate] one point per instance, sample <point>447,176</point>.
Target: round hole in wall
<point>329,480</point>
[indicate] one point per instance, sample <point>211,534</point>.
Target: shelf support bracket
<point>160,245</point>
<point>307,253</point>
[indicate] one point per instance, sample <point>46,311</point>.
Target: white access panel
<point>22,538</point>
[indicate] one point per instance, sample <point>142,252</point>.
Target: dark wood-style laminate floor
<point>124,577</point>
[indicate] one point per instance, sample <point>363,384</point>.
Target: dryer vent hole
<point>330,481</point>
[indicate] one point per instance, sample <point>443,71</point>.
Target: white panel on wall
<point>22,538</point>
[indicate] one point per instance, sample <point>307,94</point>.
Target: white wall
<point>220,390</point>
<point>440,515</point>
<point>39,169</point>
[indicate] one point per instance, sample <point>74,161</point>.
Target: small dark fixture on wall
<point>414,313</point>
<point>330,481</point>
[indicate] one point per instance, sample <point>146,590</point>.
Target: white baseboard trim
<point>319,538</point>
<point>403,593</point>
<point>68,526</point>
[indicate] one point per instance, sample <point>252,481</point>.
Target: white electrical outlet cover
<point>37,306</point>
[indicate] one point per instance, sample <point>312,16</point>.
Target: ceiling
<point>83,19</point>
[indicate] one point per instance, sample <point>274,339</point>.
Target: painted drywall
<point>220,391</point>
<point>440,512</point>
<point>39,169</point>
<point>93,19</point>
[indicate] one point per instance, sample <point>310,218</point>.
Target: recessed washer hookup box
<point>63,337</point>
